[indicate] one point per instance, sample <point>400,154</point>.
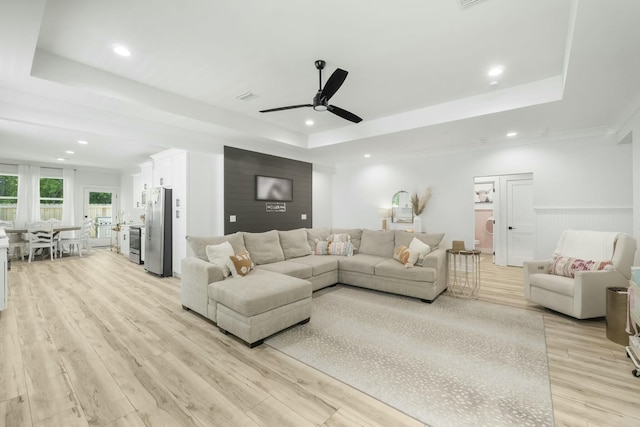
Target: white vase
<point>417,224</point>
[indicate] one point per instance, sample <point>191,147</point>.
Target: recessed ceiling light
<point>82,142</point>
<point>493,82</point>
<point>244,95</point>
<point>69,152</point>
<point>121,50</point>
<point>496,71</point>
<point>60,159</point>
<point>309,122</point>
<point>512,134</point>
<point>366,156</point>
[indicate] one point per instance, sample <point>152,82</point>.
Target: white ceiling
<point>417,75</point>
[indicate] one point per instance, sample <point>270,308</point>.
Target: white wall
<point>322,180</point>
<point>631,132</point>
<point>593,172</point>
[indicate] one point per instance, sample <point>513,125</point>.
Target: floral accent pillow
<point>240,264</point>
<point>567,266</point>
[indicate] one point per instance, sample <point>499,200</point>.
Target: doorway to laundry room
<point>505,217</point>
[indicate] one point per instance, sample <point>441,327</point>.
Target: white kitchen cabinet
<point>179,165</point>
<point>137,189</point>
<point>146,174</point>
<point>124,240</point>
<point>142,182</point>
<point>163,168</point>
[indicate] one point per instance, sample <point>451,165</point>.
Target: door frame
<point>115,207</point>
<point>501,202</point>
<point>500,212</point>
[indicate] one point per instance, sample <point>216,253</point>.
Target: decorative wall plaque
<point>276,207</point>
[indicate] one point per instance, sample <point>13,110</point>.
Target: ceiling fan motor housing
<point>319,103</point>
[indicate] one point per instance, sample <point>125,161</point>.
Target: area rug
<point>455,362</point>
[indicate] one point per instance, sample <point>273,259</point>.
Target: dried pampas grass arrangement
<point>419,203</point>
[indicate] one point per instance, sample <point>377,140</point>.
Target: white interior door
<point>101,205</point>
<point>520,221</point>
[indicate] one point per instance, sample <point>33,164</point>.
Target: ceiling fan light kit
<point>324,94</point>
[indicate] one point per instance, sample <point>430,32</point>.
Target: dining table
<point>56,229</point>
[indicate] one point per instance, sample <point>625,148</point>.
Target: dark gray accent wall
<point>240,170</point>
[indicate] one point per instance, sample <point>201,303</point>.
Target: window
<point>8,197</point>
<point>51,198</point>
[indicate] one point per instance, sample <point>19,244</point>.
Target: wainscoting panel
<point>550,222</point>
<point>240,170</point>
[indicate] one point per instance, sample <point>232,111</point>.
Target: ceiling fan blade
<point>344,114</point>
<point>333,84</point>
<point>286,108</point>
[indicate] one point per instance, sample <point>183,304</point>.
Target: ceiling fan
<point>322,97</point>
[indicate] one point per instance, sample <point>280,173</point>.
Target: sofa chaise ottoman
<point>260,305</point>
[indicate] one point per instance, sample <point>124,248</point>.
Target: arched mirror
<point>401,210</point>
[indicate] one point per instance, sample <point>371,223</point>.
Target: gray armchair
<point>583,296</point>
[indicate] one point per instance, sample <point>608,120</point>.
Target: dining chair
<point>16,241</point>
<point>56,235</point>
<point>81,239</point>
<point>41,237</point>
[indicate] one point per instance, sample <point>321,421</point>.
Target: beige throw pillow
<point>218,255</point>
<point>419,246</point>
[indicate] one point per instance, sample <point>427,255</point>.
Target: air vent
<point>463,4</point>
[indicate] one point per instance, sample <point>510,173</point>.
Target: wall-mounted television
<point>269,188</point>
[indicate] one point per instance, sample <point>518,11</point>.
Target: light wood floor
<point>98,341</point>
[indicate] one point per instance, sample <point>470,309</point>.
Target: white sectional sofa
<point>276,294</point>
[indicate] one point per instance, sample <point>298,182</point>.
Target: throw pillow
<point>567,266</point>
<point>314,234</point>
<point>218,255</point>
<point>340,237</point>
<point>355,233</point>
<point>419,246</point>
<point>405,256</point>
<point>324,247</point>
<point>240,264</point>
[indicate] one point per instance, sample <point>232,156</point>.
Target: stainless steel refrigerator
<point>158,224</point>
